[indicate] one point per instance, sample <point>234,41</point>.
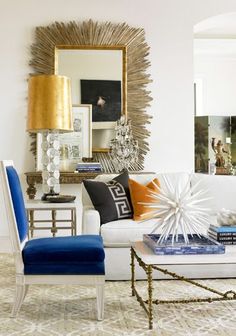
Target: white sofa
<point>118,234</point>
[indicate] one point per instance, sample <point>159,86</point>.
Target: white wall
<point>169,32</point>
<point>218,84</point>
<point>215,70</point>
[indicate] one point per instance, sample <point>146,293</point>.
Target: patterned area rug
<point>71,310</point>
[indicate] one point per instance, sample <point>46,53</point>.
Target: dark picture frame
<point>105,97</point>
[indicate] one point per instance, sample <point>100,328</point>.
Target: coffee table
<point>149,262</point>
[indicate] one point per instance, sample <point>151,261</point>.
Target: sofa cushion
<point>142,194</point>
<point>64,255</point>
<point>142,178</point>
<point>121,232</point>
<point>220,188</point>
<point>111,199</point>
<point>179,179</point>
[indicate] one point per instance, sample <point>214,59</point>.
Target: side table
<point>33,178</point>
<point>67,209</point>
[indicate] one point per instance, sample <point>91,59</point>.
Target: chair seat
<point>82,255</point>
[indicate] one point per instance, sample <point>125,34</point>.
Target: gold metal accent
<point>53,220</point>
<point>147,304</point>
<point>149,301</point>
<point>132,272</point>
<point>102,150</point>
<point>103,35</point>
<point>49,104</point>
<point>54,226</point>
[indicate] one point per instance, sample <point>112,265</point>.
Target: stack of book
<point>224,234</point>
<point>89,167</point>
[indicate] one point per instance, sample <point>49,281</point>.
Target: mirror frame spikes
<point>93,34</point>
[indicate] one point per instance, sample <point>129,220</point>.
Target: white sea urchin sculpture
<point>180,211</point>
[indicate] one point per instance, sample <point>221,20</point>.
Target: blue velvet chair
<point>58,260</point>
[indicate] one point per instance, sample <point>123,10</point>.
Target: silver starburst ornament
<point>124,148</point>
<point>179,210</point>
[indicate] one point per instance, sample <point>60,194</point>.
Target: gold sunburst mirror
<point>120,41</point>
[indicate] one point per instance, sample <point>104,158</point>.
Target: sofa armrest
<point>91,221</point>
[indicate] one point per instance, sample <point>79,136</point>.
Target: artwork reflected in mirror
<point>73,145</point>
<point>97,77</point>
<point>105,97</point>
<point>77,144</point>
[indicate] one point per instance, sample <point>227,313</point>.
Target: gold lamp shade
<point>49,104</point>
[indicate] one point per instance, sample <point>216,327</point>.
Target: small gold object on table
<point>222,151</point>
<point>149,262</point>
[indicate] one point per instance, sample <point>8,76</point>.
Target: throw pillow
<point>111,199</point>
<point>141,193</point>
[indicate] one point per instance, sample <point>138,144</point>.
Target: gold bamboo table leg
<point>54,225</point>
<point>148,304</point>
<point>31,223</point>
<point>149,301</point>
<point>132,271</point>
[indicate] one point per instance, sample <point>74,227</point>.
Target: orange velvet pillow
<point>141,193</point>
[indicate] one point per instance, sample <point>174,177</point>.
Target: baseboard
<point>5,244</point>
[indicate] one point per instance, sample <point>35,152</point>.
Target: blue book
<point>223,228</point>
<point>197,245</point>
<point>88,170</point>
<point>221,234</point>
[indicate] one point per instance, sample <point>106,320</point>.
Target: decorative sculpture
<point>123,149</point>
<point>179,211</point>
<point>226,217</point>
<point>219,152</point>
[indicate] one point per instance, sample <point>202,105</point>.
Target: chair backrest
<point>15,207</point>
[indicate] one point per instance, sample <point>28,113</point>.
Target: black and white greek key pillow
<point>111,199</point>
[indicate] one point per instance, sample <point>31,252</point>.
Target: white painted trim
<point>23,282</point>
<point>90,280</point>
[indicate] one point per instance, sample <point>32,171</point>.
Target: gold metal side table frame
<point>51,223</point>
<point>147,305</point>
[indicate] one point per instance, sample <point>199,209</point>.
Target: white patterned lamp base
<point>50,163</point>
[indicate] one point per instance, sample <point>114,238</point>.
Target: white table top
<point>38,204</point>
<point>149,258</point>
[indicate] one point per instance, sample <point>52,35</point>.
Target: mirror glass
<point>97,78</point>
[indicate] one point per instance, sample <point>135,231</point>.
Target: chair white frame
<point>23,281</point>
